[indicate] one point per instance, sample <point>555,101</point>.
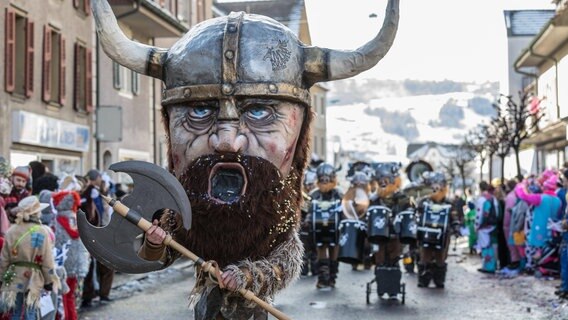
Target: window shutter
<point>76,4</point>
<point>76,75</point>
<point>116,76</point>
<point>87,7</point>
<point>89,81</point>
<point>10,54</point>
<point>29,69</point>
<point>62,70</point>
<point>46,64</point>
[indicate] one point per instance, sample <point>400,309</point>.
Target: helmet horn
<point>133,55</point>
<point>326,64</point>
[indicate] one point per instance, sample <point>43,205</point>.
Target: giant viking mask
<point>236,98</point>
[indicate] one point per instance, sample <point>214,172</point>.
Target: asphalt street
<point>468,295</point>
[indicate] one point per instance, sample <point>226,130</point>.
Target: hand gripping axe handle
<point>144,224</point>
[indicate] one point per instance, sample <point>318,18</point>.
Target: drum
<point>406,226</point>
<point>378,223</point>
<point>325,222</point>
<point>352,235</point>
<point>432,225</point>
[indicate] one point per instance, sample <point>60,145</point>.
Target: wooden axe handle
<point>144,224</point>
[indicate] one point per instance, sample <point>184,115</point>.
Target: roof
<point>526,22</point>
<point>287,12</point>
<point>419,150</point>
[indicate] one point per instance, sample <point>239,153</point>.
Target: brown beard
<point>250,227</point>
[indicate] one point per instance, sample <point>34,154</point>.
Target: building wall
<point>73,25</point>
<point>515,80</point>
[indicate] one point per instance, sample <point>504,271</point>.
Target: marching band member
<point>437,219</point>
<point>323,216</point>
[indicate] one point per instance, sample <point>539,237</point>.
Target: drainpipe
<point>155,135</point>
<point>133,11</point>
<point>528,74</point>
<point>555,78</point>
<point>98,97</point>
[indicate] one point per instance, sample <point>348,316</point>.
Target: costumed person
<point>385,214</point>
<point>437,221</point>
<point>310,255</point>
<point>487,238</point>
<point>546,206</point>
<point>27,264</point>
<point>469,220</point>
<point>236,108</point>
<point>73,254</point>
<point>19,179</point>
<point>324,216</point>
<point>355,203</point>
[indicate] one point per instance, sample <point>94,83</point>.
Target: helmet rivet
<point>186,93</point>
<point>272,88</point>
<point>229,54</point>
<point>296,91</point>
<point>232,29</point>
<point>227,88</point>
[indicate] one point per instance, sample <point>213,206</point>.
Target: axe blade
<point>116,244</point>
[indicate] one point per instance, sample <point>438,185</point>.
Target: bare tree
<point>502,124</point>
<point>464,156</point>
<point>491,142</point>
<point>523,122</point>
<point>475,140</point>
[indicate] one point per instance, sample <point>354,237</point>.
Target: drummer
<point>388,194</point>
<point>355,203</point>
<point>432,264</point>
<point>323,215</point>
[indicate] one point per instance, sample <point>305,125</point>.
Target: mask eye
<point>200,112</point>
<point>258,113</point>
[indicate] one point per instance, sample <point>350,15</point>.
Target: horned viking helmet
<point>240,55</point>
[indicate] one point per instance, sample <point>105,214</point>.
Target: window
<point>19,54</point>
<point>83,6</point>
<point>54,66</point>
<point>322,105</point>
<point>125,80</point>
<point>83,79</point>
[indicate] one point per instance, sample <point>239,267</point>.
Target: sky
<point>460,40</point>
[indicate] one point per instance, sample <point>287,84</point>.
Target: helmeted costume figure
<point>385,214</point>
<point>309,263</point>
<point>236,109</point>
<point>323,216</point>
<point>437,220</point>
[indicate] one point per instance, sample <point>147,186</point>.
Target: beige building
<point>46,100</point>
<point>291,13</point>
<point>130,100</point>
<point>546,57</point>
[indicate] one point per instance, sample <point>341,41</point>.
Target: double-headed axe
<point>154,189</point>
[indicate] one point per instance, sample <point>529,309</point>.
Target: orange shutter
<point>87,7</point>
<point>46,64</point>
<point>29,69</point>
<point>89,81</point>
<point>62,69</point>
<point>10,54</point>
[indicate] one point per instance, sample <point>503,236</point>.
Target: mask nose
<point>227,136</point>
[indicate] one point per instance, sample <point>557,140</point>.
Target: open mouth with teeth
<point>227,182</point>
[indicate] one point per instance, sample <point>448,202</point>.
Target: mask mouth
<point>227,182</point>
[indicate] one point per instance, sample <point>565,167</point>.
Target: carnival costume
<point>437,220</point>
<point>236,108</point>
<point>324,216</point>
<point>385,219</point>
<point>26,263</point>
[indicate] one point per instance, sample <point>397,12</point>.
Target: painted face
<point>19,182</point>
<point>387,186</point>
<point>253,127</point>
<point>439,191</point>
